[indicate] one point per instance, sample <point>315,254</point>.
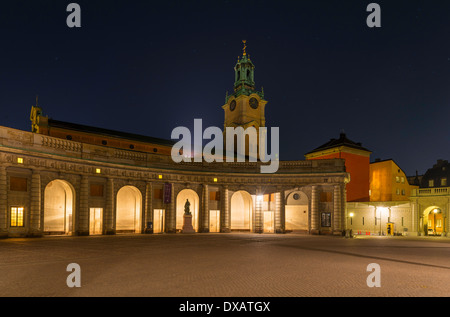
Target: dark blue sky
<point>149,66</point>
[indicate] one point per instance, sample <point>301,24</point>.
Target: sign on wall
<point>167,193</point>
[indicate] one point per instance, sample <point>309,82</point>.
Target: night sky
<point>147,67</point>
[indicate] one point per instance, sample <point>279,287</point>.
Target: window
<point>363,221</point>
<point>431,183</point>
<point>403,192</point>
<point>444,181</point>
<point>18,184</point>
<point>96,190</point>
<point>397,191</point>
<point>403,179</point>
<point>16,216</point>
<point>397,179</point>
<point>402,222</point>
<point>438,223</point>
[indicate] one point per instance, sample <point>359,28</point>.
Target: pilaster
<point>35,205</point>
<point>3,203</point>
<point>82,228</point>
<point>205,209</point>
<point>280,211</point>
<point>314,210</point>
<point>224,210</point>
<point>337,210</point>
<point>109,210</point>
<point>148,208</point>
<point>258,217</point>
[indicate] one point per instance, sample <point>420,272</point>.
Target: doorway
<point>158,220</point>
<point>214,221</point>
<point>95,221</point>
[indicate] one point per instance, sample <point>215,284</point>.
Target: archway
<point>59,207</point>
<point>241,211</point>
<point>296,212</point>
<point>187,194</point>
<point>433,221</point>
<point>128,210</point>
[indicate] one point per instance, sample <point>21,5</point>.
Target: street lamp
<point>435,211</point>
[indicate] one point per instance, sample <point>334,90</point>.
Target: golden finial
<point>245,46</point>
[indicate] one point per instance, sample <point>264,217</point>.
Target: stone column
<point>205,209</point>
<point>3,203</point>
<point>35,205</point>
<point>225,225</point>
<point>171,225</point>
<point>337,210</point>
<point>446,220</point>
<point>109,210</point>
<point>314,210</point>
<point>280,211</point>
<point>420,225</point>
<point>82,228</point>
<point>259,225</point>
<point>148,207</point>
<point>413,228</point>
<point>343,206</point>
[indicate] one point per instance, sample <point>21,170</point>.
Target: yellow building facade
<point>388,182</point>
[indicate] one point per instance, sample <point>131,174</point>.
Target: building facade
<point>65,178</point>
<point>431,202</point>
<point>357,161</point>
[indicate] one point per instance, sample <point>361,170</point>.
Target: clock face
<point>254,103</point>
<point>233,105</point>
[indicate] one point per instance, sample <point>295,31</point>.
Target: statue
<point>186,207</point>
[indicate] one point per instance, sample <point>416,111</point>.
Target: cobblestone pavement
<point>224,265</point>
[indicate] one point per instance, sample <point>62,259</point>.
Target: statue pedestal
<point>187,224</point>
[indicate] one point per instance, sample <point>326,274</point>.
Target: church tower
<point>245,107</point>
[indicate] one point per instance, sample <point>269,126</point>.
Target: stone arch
<point>433,220</point>
<point>59,207</point>
<point>194,200</point>
<point>128,210</point>
<point>241,211</point>
<point>297,211</point>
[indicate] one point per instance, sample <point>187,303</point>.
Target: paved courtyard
<point>224,265</point>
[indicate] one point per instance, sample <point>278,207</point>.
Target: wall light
<point>259,198</point>
<point>215,180</point>
<point>20,160</point>
<point>351,214</point>
<point>98,170</point>
<point>160,176</point>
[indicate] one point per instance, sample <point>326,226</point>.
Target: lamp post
<point>435,211</point>
<point>351,219</point>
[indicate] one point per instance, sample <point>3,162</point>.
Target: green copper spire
<point>244,79</point>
